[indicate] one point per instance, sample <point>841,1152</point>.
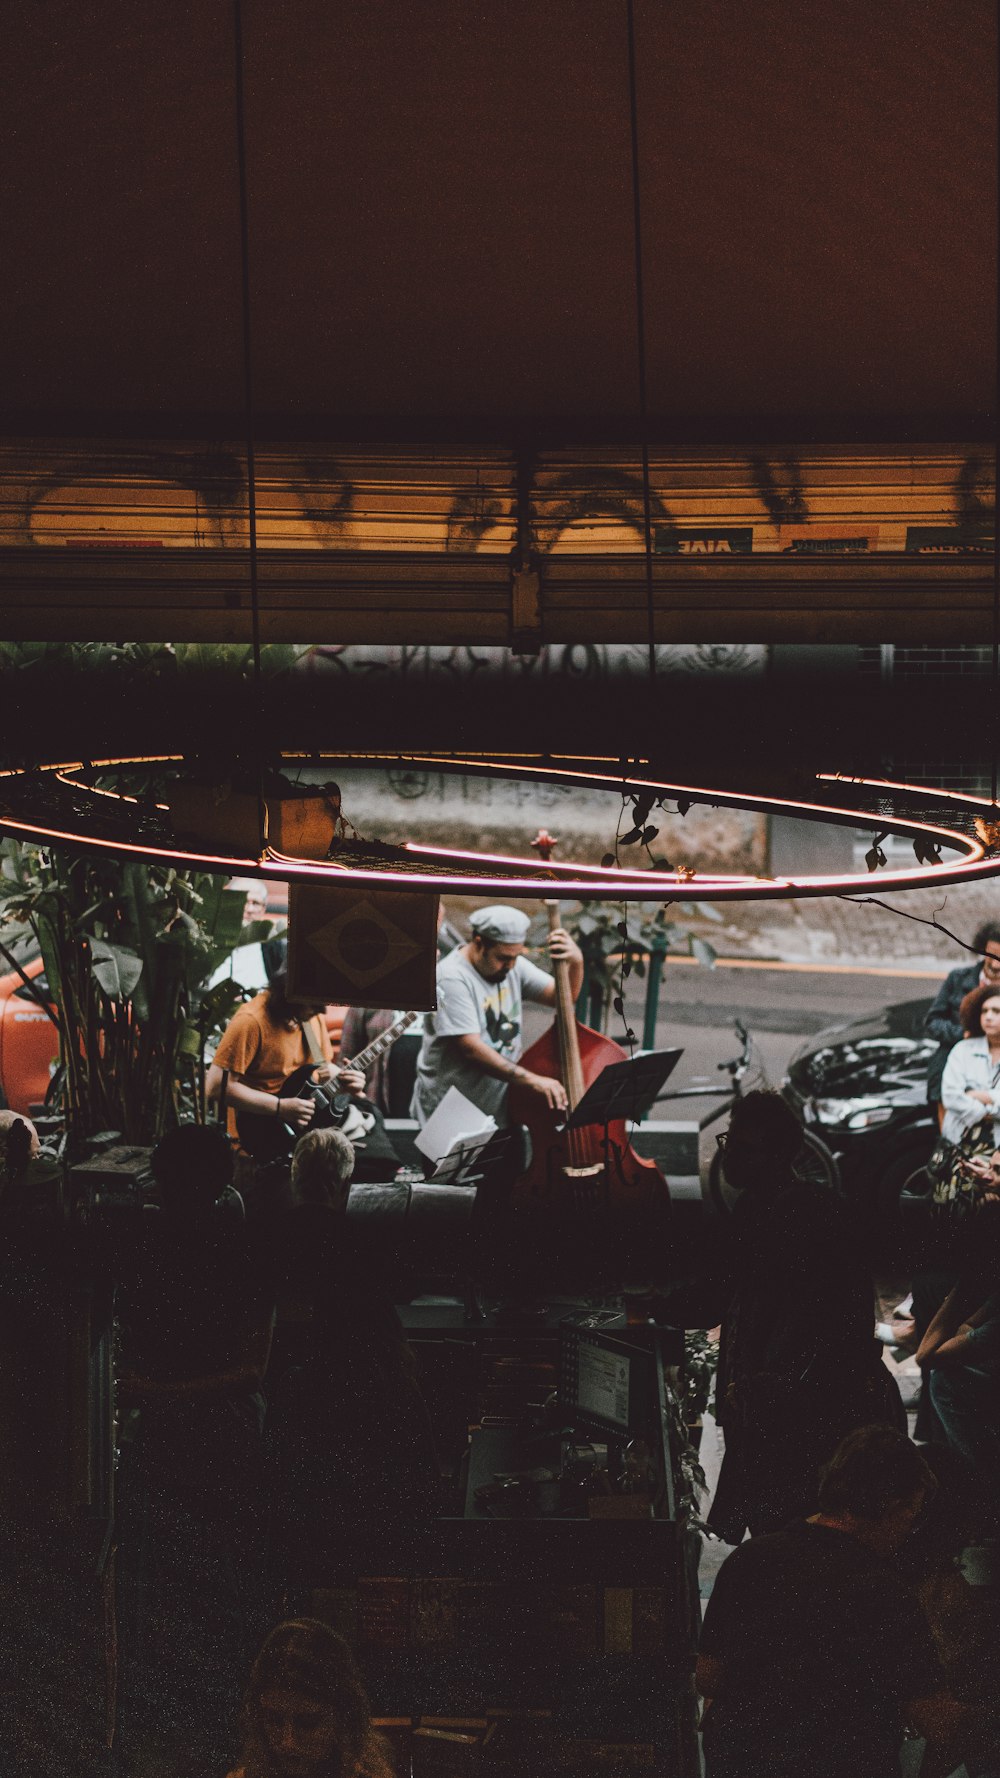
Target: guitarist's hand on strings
<point>297,1112</point>
<point>350,1080</point>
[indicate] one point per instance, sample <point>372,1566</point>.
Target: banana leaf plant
<point>127,947</point>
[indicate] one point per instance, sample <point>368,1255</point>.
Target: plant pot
<point>216,817</point>
<point>220,819</point>
<point>303,826</point>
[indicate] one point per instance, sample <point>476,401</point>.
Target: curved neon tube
<point>531,877</point>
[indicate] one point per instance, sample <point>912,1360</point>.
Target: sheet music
<point>452,1124</point>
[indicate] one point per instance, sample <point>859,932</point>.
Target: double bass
<point>595,1165</point>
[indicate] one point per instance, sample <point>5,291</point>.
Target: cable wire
<point>640,333</point>
<point>993,719</point>
<point>248,398</point>
<point>995,676</point>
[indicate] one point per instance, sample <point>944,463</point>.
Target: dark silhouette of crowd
<point>814,1657</point>
<point>798,1365</point>
<point>818,1648</point>
<point>250,1462</point>
<point>273,1428</point>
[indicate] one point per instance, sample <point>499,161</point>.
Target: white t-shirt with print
<point>468,1006</point>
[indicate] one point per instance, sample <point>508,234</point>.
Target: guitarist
<point>264,1042</point>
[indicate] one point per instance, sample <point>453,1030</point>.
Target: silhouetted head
<point>762,1141</point>
<point>192,1166</point>
<point>18,1144</point>
<point>877,1483</point>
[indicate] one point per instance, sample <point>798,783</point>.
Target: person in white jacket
<point>970,1090</point>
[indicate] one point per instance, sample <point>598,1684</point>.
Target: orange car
<point>29,1042</point>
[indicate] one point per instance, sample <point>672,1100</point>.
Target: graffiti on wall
<point>501,814</point>
<point>89,495</point>
<point>592,663</point>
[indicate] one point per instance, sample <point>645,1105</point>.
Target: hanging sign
<point>362,947</point>
<point>827,540</point>
<point>949,540</point>
<point>688,540</point>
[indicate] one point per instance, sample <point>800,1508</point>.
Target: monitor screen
<point>603,1381</point>
<point>602,1384</point>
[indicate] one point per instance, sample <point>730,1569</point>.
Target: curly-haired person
<point>306,1711</point>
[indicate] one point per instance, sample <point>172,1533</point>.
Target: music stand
<point>456,1167</point>
<point>625,1090</point>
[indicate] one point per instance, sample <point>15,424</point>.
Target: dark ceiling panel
<point>120,208</point>
<point>441,208</point>
<point>441,221</point>
<point>819,192</point>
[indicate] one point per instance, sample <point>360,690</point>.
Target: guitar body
<point>270,1139</point>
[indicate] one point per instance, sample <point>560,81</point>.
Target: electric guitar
<point>269,1139</point>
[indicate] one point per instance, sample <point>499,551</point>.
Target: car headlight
<point>853,1114</point>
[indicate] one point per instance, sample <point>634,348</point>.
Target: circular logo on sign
<point>409,784</point>
<point>365,943</point>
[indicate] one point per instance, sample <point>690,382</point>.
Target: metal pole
<point>598,1002</point>
<point>657,960</point>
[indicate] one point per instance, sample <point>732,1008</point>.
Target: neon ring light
<point>66,804</point>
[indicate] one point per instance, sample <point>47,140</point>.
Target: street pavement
<point>781,1004</point>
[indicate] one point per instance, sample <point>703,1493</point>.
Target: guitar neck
<point>379,1045</point>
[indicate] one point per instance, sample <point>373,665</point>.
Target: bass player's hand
<point>562,948</point>
<point>297,1112</point>
<point>550,1089</point>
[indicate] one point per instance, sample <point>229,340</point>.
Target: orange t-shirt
<point>264,1053</point>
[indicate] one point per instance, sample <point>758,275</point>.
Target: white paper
<point>454,1121</point>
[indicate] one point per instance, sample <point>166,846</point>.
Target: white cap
<point>500,925</point>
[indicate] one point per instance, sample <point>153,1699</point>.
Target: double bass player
<point>474,1040</point>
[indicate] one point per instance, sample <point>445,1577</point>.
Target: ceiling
<point>440,211</point>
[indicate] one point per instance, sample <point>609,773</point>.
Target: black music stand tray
<point>459,1167</point>
<point>625,1090</point>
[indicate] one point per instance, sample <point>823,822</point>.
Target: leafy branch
<point>872,901</point>
<point>126,946</point>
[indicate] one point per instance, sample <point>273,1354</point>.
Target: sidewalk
<point>849,931</point>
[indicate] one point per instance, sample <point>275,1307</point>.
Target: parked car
<point>863,1087</point>
<point>29,1042</point>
